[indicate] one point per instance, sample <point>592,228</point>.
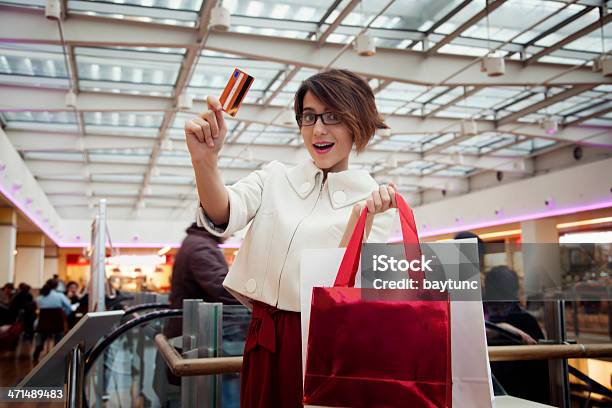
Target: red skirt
<point>271,373</point>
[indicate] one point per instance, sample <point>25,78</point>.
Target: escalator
<point>125,369</point>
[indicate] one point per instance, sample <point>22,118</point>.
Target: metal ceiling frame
<point>27,26</point>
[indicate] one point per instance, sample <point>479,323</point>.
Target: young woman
<point>315,204</point>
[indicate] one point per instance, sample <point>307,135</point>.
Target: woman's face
<point>328,145</point>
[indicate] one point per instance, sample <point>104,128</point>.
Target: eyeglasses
<point>309,119</point>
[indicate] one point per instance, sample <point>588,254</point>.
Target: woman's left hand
<point>382,199</point>
<point>379,201</point>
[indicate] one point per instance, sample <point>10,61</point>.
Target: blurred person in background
<point>199,270</point>
<point>5,300</point>
<point>523,379</point>
<point>481,248</point>
<point>198,273</point>
<point>23,305</point>
<point>72,292</point>
<point>50,298</point>
<point>73,295</point>
<point>61,286</point>
<point>6,294</point>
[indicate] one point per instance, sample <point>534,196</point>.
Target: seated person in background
<point>23,303</point>
<point>72,292</point>
<point>523,379</point>
<point>503,306</point>
<point>7,294</point>
<point>61,286</point>
<point>50,298</point>
<point>5,300</point>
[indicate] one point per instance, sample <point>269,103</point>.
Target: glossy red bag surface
<point>377,348</point>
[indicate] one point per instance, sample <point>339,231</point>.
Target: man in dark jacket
<point>199,270</point>
<point>198,273</point>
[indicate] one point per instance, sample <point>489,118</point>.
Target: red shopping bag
<point>378,348</point>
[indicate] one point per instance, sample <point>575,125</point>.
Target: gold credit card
<point>235,91</point>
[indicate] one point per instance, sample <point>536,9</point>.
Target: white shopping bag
<point>471,376</point>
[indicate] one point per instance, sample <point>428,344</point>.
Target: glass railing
<point>131,372</point>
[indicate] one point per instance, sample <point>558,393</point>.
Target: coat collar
<point>304,178</point>
<point>345,188</point>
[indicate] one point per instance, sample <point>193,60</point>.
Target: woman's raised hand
<point>206,133</point>
<point>382,199</point>
<point>379,201</point>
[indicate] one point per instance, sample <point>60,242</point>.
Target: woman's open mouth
<point>323,147</point>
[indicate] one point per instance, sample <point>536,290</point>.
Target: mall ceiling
<point>136,64</point>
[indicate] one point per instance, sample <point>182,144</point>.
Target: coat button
<point>251,285</point>
<point>305,188</point>
<point>340,197</point>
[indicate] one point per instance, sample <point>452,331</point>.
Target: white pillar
<point>541,256</point>
<point>30,260</point>
<point>8,238</point>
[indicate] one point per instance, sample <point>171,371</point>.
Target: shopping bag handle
<point>350,262</point>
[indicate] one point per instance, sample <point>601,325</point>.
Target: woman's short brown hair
<point>349,95</point>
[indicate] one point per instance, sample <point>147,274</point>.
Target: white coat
<point>291,209</point>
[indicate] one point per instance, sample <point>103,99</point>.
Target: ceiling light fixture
<point>494,65</point>
<point>219,19</point>
<point>549,125</point>
<point>287,117</point>
<point>365,45</point>
<point>71,99</point>
<point>384,132</point>
<point>605,62</point>
<point>606,66</point>
<point>469,127</point>
<point>53,9</point>
<point>391,161</point>
<point>583,223</point>
<point>164,250</point>
<point>167,144</point>
<point>185,102</point>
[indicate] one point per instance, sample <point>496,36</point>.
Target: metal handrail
<point>146,306</point>
<point>99,348</point>
<point>180,366</point>
<point>74,394</point>
<point>547,352</point>
<point>217,365</point>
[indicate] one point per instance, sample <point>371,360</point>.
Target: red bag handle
<point>350,262</point>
